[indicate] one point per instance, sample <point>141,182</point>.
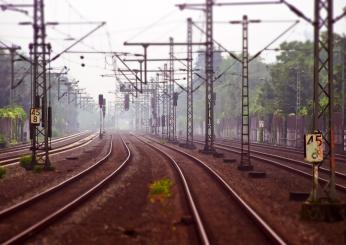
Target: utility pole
<point>164,125</point>
<point>245,160</point>
<point>323,64</point>
<point>209,76</point>
<point>189,89</point>
<point>298,86</point>
<point>39,50</point>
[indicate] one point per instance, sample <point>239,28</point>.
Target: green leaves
<point>15,112</point>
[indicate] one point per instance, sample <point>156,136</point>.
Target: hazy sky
<point>148,20</point>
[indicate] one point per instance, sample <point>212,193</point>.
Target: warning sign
<point>314,147</point>
<point>35,116</point>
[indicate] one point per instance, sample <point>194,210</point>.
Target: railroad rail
<point>35,203</point>
<point>76,143</point>
<point>206,233</point>
<point>284,164</point>
<point>25,146</point>
<point>338,157</point>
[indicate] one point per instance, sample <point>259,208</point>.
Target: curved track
<point>193,171</point>
<point>37,212</point>
<point>61,146</point>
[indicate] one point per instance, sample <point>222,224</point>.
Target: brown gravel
<point>32,183</point>
<point>122,212</point>
<point>270,198</point>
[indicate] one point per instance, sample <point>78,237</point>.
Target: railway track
<point>25,146</point>
<point>216,206</point>
<point>27,218</point>
<point>338,157</point>
<point>61,146</point>
<point>294,166</point>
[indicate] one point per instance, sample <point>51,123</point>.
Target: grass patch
<point>160,190</point>
<point>2,172</point>
<point>25,162</point>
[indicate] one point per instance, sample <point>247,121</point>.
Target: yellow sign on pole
<point>35,116</point>
<point>314,147</point>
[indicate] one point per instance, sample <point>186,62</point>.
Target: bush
<point>2,172</point>
<point>25,162</point>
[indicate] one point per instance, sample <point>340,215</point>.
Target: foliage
<point>160,190</point>
<point>2,172</point>
<point>15,112</point>
<point>25,161</point>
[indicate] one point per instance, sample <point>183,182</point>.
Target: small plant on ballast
<point>2,172</point>
<point>160,190</point>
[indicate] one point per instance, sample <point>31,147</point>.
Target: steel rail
<point>264,226</point>
<point>193,207</point>
<point>294,161</point>
<point>26,145</point>
<point>10,161</point>
<point>339,157</point>
<point>53,217</point>
<point>227,148</point>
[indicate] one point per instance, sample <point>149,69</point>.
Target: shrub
<point>2,172</point>
<point>25,162</point>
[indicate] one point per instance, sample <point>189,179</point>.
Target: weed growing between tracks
<point>160,190</point>
<point>2,172</point>
<point>25,161</point>
<point>160,193</point>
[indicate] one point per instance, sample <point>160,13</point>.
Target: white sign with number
<point>35,116</point>
<point>314,147</point>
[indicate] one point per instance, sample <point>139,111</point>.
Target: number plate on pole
<point>314,147</point>
<point>35,116</point>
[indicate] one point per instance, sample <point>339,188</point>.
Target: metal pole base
<point>242,167</point>
<point>323,210</point>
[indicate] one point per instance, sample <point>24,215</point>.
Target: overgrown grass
<point>160,190</point>
<point>2,172</point>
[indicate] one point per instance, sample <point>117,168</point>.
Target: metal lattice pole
<point>40,50</point>
<point>164,104</point>
<point>209,73</point>
<point>323,87</point>
<point>171,135</point>
<point>189,88</point>
<point>245,162</point>
<point>298,102</point>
